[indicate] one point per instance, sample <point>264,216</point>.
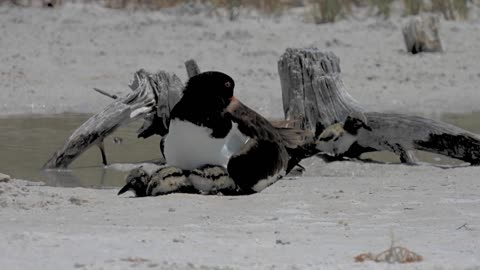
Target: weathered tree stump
<point>152,97</point>
<point>192,68</point>
<point>421,34</point>
<point>314,95</point>
<point>312,91</point>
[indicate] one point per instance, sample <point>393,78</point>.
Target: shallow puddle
<point>26,143</point>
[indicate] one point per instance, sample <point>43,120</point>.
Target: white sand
<point>319,222</point>
<point>51,59</point>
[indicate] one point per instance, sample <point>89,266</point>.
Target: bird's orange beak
<point>234,103</point>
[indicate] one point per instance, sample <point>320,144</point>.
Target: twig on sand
<point>392,255</point>
<point>105,93</point>
<point>395,254</point>
<point>464,226</point>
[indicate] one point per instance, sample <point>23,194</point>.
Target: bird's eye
<point>228,84</point>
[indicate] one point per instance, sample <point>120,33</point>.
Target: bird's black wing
<point>252,124</point>
<point>263,158</point>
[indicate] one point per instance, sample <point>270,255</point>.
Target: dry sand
<point>51,59</point>
<point>314,222</point>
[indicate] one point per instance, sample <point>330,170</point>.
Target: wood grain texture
<point>312,91</point>
<point>421,34</point>
<point>158,92</point>
<point>314,95</point>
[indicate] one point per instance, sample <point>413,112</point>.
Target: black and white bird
<point>210,128</point>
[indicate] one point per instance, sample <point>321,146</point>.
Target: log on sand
<point>314,94</point>
<point>314,98</point>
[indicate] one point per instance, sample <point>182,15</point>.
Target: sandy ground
<point>314,222</point>
<point>51,59</point>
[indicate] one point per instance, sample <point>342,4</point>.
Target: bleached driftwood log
<point>421,34</point>
<point>400,133</point>
<point>155,93</point>
<point>313,94</point>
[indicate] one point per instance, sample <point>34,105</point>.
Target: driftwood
<point>407,132</point>
<point>421,34</point>
<point>314,95</point>
<point>105,93</point>
<point>152,97</point>
<point>312,91</point>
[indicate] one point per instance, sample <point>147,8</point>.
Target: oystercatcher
<point>209,127</point>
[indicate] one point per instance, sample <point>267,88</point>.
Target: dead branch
<point>157,92</point>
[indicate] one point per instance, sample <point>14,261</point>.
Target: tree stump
<point>421,34</point>
<point>314,95</point>
<point>312,91</point>
<point>192,68</point>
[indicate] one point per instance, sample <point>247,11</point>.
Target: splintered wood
<point>392,255</point>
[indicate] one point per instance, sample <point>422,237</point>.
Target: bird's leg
<point>406,156</point>
<point>101,146</point>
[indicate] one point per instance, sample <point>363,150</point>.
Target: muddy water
<point>26,143</point>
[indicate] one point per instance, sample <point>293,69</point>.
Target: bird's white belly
<point>188,146</point>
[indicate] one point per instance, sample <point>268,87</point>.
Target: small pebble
<point>4,178</point>
<point>280,242</point>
